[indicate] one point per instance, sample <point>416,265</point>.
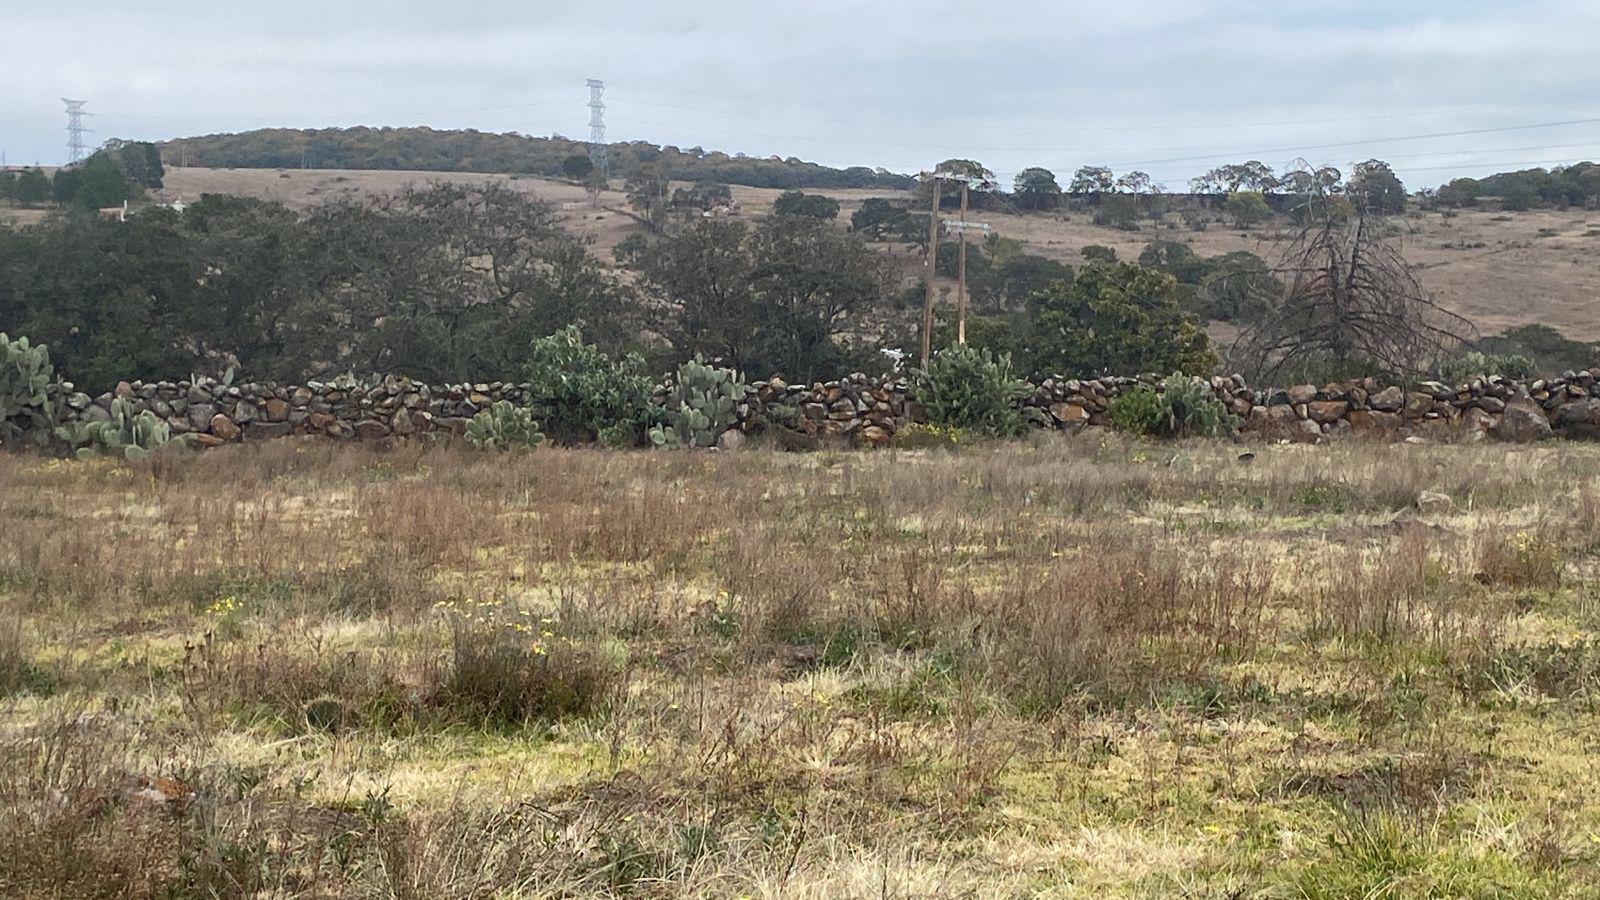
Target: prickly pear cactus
<point>25,377</point>
<point>504,426</point>
<point>704,403</point>
<point>130,433</point>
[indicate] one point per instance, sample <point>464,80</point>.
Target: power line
<point>1364,142</point>
<point>1210,153</point>
<point>1223,123</point>
<point>369,115</point>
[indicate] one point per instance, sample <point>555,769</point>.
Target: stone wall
<point>868,411</point>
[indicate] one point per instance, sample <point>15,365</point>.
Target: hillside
<point>1500,270</point>
<point>426,149</point>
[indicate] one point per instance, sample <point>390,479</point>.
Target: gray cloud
<point>1125,83</point>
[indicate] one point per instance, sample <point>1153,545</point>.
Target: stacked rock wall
<point>866,410</point>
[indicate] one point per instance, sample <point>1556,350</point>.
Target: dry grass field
<point>1069,667</point>
<point>1498,270</point>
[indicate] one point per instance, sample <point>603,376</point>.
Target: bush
<point>1113,317</point>
<point>1184,407</point>
<point>577,391</point>
<point>1474,363</point>
<point>25,377</point>
<point>507,668</point>
<point>965,387</point>
<point>1247,208</point>
<point>504,426</point>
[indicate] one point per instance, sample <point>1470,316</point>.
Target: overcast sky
<point>1171,87</point>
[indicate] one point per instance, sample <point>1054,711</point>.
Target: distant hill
<point>426,149</point>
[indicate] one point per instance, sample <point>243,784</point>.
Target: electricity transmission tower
<point>75,130</point>
<point>597,126</point>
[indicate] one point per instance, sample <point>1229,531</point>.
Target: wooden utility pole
<point>961,274</point>
<point>932,266</point>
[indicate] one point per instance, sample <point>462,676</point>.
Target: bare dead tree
<point>1350,299</point>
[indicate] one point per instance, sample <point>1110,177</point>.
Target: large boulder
<point>1390,399</point>
<point>1523,422</point>
<point>1580,419</point>
<point>1326,412</point>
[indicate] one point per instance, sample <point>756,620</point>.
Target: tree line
<point>430,150</point>
<point>117,172</point>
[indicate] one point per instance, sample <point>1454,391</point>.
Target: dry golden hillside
<point>1499,270</point>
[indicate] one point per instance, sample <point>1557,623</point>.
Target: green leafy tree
<point>776,299</point>
<point>698,287</point>
<point>139,161</point>
<point>1253,176</point>
<point>881,219</point>
<point>649,192</point>
<point>1115,318</point>
<point>1092,180</point>
<point>577,167</point>
<point>97,184</point>
<point>1247,208</point>
<point>32,188</point>
<point>799,203</point>
<point>1036,188</point>
<point>1376,189</point>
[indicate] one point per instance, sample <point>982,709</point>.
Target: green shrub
<point>1474,363</point>
<point>968,388</point>
<point>1137,412</point>
<point>25,377</point>
<point>1183,407</point>
<point>703,404</point>
<point>504,426</point>
<point>577,391</point>
<point>130,433</point>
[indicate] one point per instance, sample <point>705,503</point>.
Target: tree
<point>1247,208</point>
<point>1461,192</point>
<point>1135,182</point>
<point>1351,301</point>
<point>33,187</point>
<point>1376,189</point>
<point>878,218</point>
<point>139,161</point>
<point>8,184</point>
<point>577,167</point>
<point>446,283</point>
<point>648,191</point>
<point>808,283</point>
<point>813,206</point>
<point>1036,188</point>
<point>697,289</point>
<point>1247,176</point>
<point>1114,318</point>
<point>1092,180</point>
<point>467,277</point>
<point>981,185</point>
<point>775,299</point>
<point>97,184</point>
